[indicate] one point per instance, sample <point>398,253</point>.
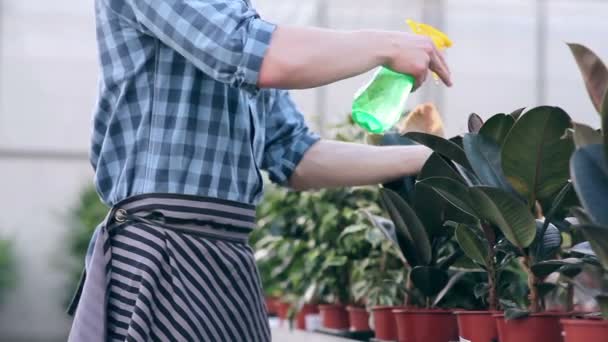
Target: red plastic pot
<point>271,305</point>
<point>334,316</point>
<point>385,327</point>
<point>358,318</point>
<point>307,309</point>
<point>477,326</point>
<point>543,327</point>
<point>424,325</point>
<point>282,310</point>
<point>584,330</point>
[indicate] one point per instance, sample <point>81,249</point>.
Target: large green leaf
<point>437,166</point>
<point>535,156</point>
<point>430,208</point>
<point>506,212</point>
<point>429,280</point>
<point>473,245</point>
<point>545,268</point>
<point>455,193</point>
<point>484,155</point>
<point>594,72</point>
<point>411,234</point>
<point>589,168</point>
<point>442,146</point>
<point>598,238</point>
<point>551,241</point>
<point>517,113</point>
<point>497,127</point>
<point>604,114</point>
<point>475,122</point>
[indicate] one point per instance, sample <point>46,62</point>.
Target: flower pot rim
<point>385,307</point>
<point>355,308</point>
<point>539,314</point>
<point>477,312</point>
<point>423,311</point>
<point>583,321</point>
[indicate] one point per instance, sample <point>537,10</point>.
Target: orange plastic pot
<point>385,327</point>
<point>307,309</point>
<point>584,330</point>
<point>334,316</point>
<point>358,318</point>
<point>424,325</point>
<point>538,327</point>
<point>477,326</point>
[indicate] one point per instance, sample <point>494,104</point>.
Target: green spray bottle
<point>379,105</point>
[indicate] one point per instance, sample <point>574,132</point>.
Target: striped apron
<point>171,268</point>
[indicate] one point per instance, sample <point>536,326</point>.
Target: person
<point>193,104</point>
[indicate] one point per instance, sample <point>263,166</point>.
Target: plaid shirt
<point>178,109</point>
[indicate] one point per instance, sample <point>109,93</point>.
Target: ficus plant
<point>511,183</point>
<point>425,247</point>
<point>589,166</point>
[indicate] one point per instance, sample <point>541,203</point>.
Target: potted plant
<point>589,170</point>
<point>512,176</point>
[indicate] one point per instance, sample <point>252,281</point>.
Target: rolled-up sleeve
<point>287,138</point>
<point>226,39</point>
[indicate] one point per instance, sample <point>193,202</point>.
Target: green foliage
<point>7,267</point>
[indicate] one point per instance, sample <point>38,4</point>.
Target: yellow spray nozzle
<point>440,39</point>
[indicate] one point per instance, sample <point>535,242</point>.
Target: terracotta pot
<point>584,330</point>
<point>271,305</point>
<point>543,327</point>
<point>358,318</point>
<point>307,309</point>
<point>477,326</point>
<point>424,325</point>
<point>384,323</point>
<point>334,316</point>
<point>282,310</point>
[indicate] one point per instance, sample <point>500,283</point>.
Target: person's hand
<point>416,55</point>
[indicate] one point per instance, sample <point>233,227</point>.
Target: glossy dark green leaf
<point>589,168</point>
<point>429,280</point>
<point>442,146</point>
<point>602,300</point>
<point>446,289</point>
<point>544,268</point>
<point>507,213</point>
<point>572,271</point>
<point>431,216</point>
<point>472,244</point>
<point>545,288</point>
<point>456,193</point>
<point>594,72</point>
<point>497,127</point>
<point>583,248</point>
<point>517,113</point>
<point>598,238</point>
<point>411,234</point>
<point>604,114</point>
<point>484,155</point>
<point>436,166</point>
<point>475,122</point>
<point>535,155</point>
<point>481,290</point>
<point>581,215</point>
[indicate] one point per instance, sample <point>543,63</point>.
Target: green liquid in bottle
<point>381,103</point>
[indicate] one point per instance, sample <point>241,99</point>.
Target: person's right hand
<point>416,55</point>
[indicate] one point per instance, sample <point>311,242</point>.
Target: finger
<point>440,68</point>
<point>420,79</point>
<point>443,61</point>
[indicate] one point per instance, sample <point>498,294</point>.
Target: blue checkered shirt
<point>178,108</point>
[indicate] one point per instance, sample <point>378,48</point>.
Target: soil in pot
<point>307,309</point>
<point>477,326</point>
<point>334,316</point>
<point>424,325</point>
<point>538,327</point>
<point>358,318</point>
<point>585,330</point>
<point>384,323</point>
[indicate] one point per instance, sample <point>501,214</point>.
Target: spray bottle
<point>379,105</point>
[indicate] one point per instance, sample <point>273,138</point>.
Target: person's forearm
<point>335,164</point>
<point>302,57</point>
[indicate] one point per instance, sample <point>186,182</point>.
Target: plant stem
<point>491,267</point>
<point>532,282</point>
<point>408,294</point>
<point>570,297</point>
